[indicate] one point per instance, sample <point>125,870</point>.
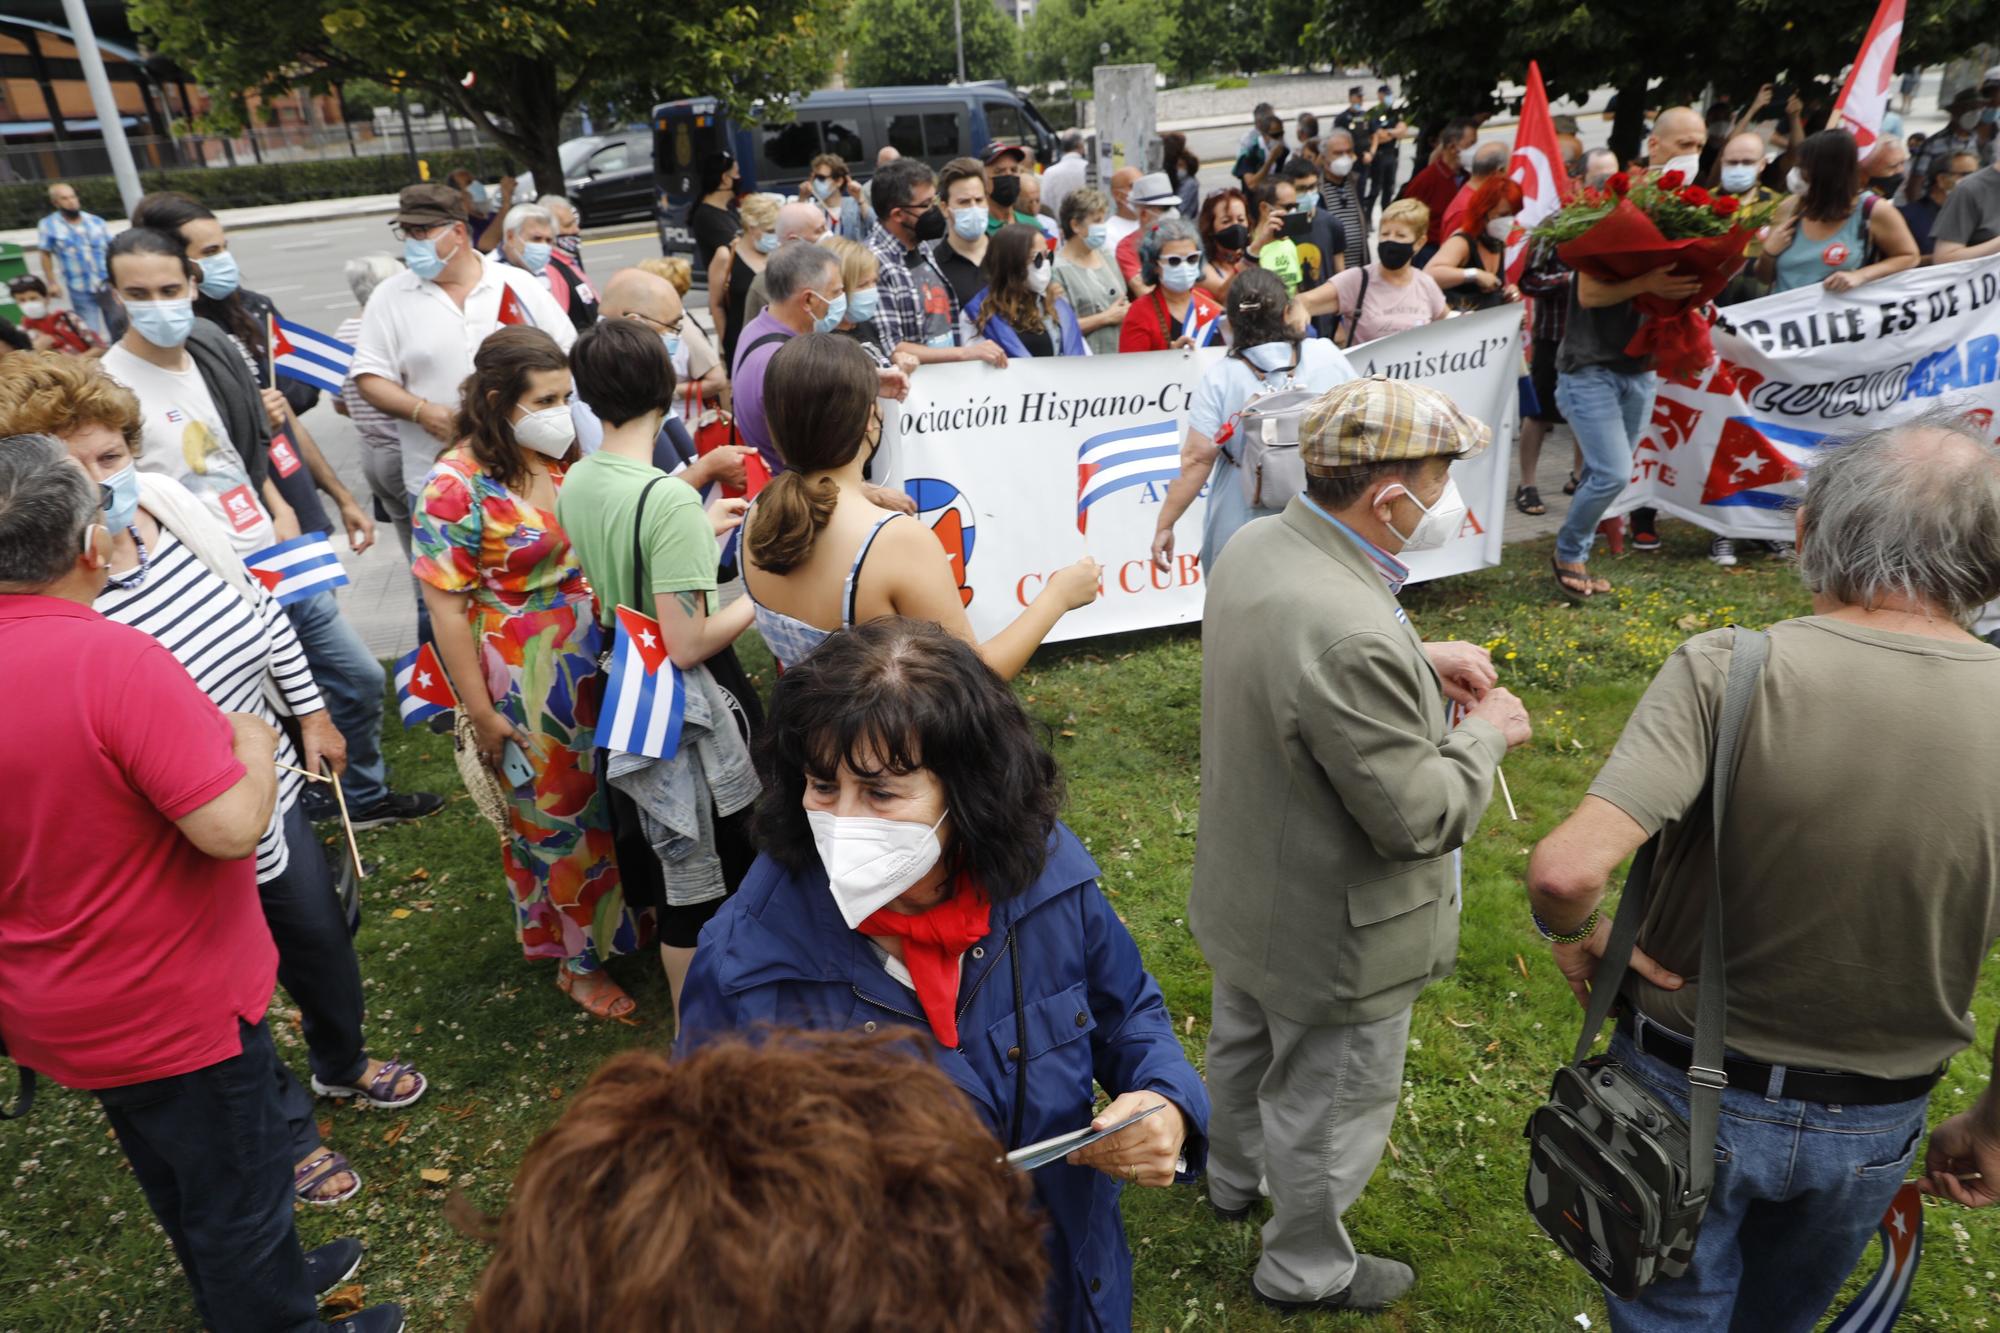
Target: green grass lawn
<point>448,988</point>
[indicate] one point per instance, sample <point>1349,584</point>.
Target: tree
<point>1655,55</point>
<point>1064,39</point>
<point>911,41</point>
<point>513,67</point>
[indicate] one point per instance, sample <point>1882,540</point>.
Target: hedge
<point>26,203</point>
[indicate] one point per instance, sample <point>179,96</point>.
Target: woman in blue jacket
<point>1017,309</point>
<point>915,874</point>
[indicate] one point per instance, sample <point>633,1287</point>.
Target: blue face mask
<point>421,258</point>
<point>673,343</point>
<point>969,223</point>
<point>162,323</point>
<point>863,305</point>
<point>1309,202</point>
<point>1179,277</point>
<point>219,275</point>
<point>1738,179</point>
<point>836,310</point>
<point>1098,236</point>
<point>124,486</point>
<point>767,242</point>
<point>821,189</point>
<point>535,256</point>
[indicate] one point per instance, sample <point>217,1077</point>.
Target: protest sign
<point>1025,470</point>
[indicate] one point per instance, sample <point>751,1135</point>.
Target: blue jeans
<point>1608,411</point>
<point>86,307</point>
<point>1800,1188</point>
<point>213,1153</point>
<point>351,679</point>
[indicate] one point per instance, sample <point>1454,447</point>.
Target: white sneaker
<point>1780,550</point>
<point>1722,551</point>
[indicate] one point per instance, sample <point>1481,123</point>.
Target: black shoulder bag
<point>1615,1176</point>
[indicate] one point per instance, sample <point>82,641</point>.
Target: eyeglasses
<point>1179,261</point>
<point>664,327</point>
<point>421,231</point>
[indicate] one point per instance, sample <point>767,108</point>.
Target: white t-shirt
<point>1116,229</point>
<point>184,438</point>
<point>415,335</point>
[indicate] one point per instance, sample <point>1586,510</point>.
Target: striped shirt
<point>228,648</point>
<point>79,248</point>
<point>377,427</point>
<point>1342,199</point>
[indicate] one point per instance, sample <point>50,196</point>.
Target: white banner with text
<point>1024,470</point>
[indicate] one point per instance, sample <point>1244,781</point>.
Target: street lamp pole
<point>108,120</point>
<point>958,36</point>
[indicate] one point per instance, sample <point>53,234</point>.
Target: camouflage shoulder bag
<point>1615,1176</point>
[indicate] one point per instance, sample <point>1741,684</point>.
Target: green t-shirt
<point>1861,854</point>
<point>1282,258</point>
<point>597,504</point>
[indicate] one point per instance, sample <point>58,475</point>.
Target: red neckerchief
<point>932,943</point>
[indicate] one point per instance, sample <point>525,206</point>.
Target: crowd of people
<point>875,852</point>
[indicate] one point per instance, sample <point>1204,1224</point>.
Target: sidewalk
<point>263,215</point>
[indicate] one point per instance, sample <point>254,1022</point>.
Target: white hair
<point>520,215</point>
<point>551,202</point>
<point>366,273</point>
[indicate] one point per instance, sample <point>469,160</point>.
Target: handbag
<point>488,798</point>
<point>1616,1177</point>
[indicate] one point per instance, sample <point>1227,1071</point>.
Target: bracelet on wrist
<point>1577,936</point>
<point>417,412</point>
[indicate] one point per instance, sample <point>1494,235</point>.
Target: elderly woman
<point>518,634</point>
<point>736,265</point>
<point>1175,312</point>
<point>1267,354</point>
<point>1090,282</point>
<point>1018,308</point>
<point>916,876</point>
<point>528,236</point>
<point>175,576</point>
<point>833,188</point>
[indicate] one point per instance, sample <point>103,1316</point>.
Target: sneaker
<point>1780,550</point>
<point>395,808</point>
<point>1645,532</point>
<point>1722,551</point>
<point>384,1318</point>
<point>1376,1285</point>
<point>332,1264</point>
<point>318,803</point>
<point>1230,1215</point>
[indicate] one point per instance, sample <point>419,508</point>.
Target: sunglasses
<point>1178,261</point>
<point>1041,260</point>
<point>828,180</point>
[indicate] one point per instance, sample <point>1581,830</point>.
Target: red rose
<point>1726,205</point>
<point>1619,183</point>
<point>1672,180</point>
<point>1696,196</point>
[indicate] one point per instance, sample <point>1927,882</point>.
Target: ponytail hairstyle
<point>500,371</point>
<point>819,393</point>
<point>169,211</point>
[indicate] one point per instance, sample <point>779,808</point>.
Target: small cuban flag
<point>643,698</point>
<point>1118,459</point>
<point>310,357</point>
<point>1877,1306</point>
<point>300,568</point>
<point>422,689</point>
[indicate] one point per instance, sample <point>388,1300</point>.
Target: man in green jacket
<point>1335,795</point>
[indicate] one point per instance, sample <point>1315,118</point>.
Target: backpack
<point>1266,431</point>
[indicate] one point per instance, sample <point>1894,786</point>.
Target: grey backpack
<point>1266,436</point>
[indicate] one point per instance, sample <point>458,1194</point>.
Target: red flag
<point>1537,167</point>
<point>510,308</point>
<point>1864,98</point>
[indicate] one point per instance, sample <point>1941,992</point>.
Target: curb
<point>250,219</point>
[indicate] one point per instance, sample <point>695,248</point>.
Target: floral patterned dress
<point>536,630</point>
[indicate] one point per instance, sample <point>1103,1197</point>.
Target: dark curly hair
<point>904,694</point>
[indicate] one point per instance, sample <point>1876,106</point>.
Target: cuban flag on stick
<point>643,698</point>
<point>309,357</point>
<point>300,568</point>
<point>1119,459</point>
<point>1878,1305</point>
<point>422,689</point>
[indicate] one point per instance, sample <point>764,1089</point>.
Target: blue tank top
<point>1806,262</point>
<point>790,639</point>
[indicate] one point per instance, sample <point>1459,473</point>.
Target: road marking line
<point>624,236</point>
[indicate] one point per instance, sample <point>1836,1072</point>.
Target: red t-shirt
<point>1150,327</point>
<point>1454,215</point>
<point>1435,188</point>
<point>126,954</point>
<point>1127,255</point>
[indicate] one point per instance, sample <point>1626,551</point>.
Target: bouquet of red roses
<point>1638,223</point>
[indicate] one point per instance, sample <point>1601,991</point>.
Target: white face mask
<point>872,862</point>
<point>1039,276</point>
<point>1340,166</point>
<point>550,431</point>
<point>31,309</point>
<point>1500,228</point>
<point>1740,177</point>
<point>1687,164</point>
<point>1441,521</point>
<point>1795,181</point>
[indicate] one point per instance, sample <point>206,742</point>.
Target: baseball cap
<point>1381,420</point>
<point>1991,76</point>
<point>429,204</point>
<point>995,151</point>
<point>1154,190</point>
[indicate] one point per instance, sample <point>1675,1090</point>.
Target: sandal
<point>1576,584</point>
<point>310,1175</point>
<point>1569,487</point>
<point>600,1000</point>
<point>380,1092</point>
<point>1529,501</point>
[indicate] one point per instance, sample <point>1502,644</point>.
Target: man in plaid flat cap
<point>1336,792</point>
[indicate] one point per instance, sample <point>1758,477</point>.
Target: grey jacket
<point>1333,797</point>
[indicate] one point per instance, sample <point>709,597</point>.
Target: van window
<point>843,137</point>
<point>1003,123</point>
<point>941,134</point>
<point>791,147</point>
<point>906,134</point>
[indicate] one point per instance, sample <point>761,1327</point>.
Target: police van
<point>933,124</point>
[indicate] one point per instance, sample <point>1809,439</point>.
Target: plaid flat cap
<point>1380,420</point>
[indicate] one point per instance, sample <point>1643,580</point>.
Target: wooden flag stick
<point>1511,814</point>
<point>309,777</point>
<point>346,825</point>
